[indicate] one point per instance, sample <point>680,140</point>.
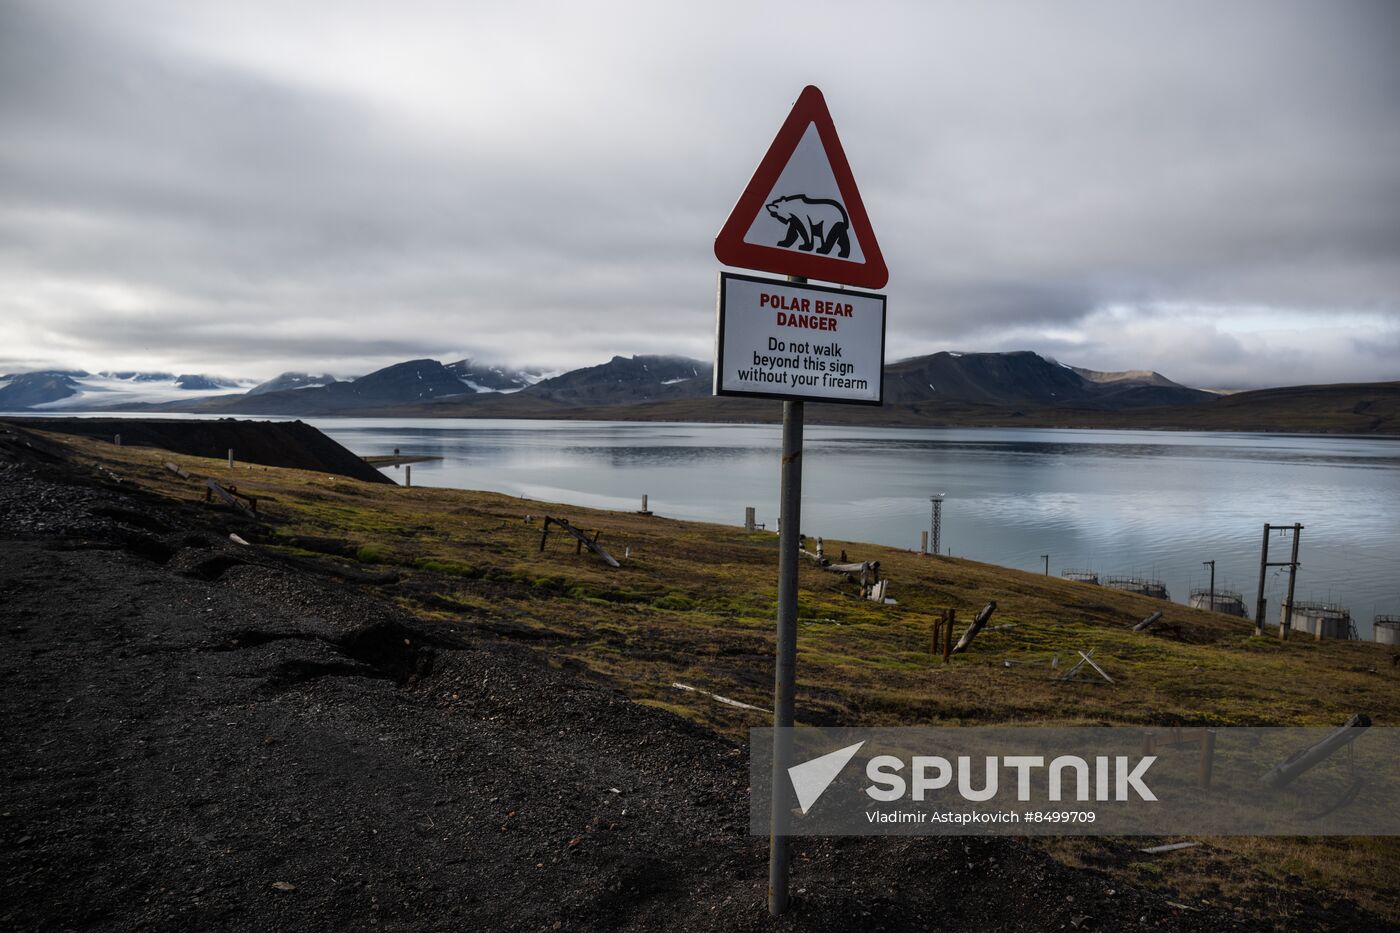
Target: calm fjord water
<point>1152,504</point>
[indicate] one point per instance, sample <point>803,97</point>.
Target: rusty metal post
<point>1260,606</point>
<point>1286,623</point>
<point>948,636</point>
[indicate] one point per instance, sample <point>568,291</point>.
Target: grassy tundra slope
<point>694,604</point>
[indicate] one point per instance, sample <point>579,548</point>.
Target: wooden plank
<point>1069,674</point>
<point>1091,663</point>
<point>977,623</point>
<point>1148,622</point>
<point>583,541</point>
<point>212,486</point>
<point>719,699</point>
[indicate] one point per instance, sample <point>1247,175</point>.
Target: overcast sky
<point>1207,189</point>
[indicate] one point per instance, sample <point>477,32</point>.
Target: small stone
<point>286,886</point>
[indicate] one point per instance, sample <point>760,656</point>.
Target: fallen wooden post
<point>1178,737</point>
<point>230,496</point>
<point>719,699</point>
<point>1288,770</point>
<point>1172,847</point>
<point>583,541</point>
<point>1090,662</point>
<point>1075,670</point>
<point>1148,622</point>
<point>177,470</point>
<point>977,623</point>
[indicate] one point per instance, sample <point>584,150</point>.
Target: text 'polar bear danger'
<point>764,347</point>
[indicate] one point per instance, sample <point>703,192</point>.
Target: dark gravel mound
<point>272,443</point>
<point>257,746</point>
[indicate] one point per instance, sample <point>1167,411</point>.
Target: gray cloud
<point>336,187</point>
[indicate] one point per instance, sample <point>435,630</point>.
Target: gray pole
<point>936,523</point>
<point>1210,607</point>
<point>1263,570</point>
<point>1287,622</point>
<point>784,673</point>
<point>1046,558</point>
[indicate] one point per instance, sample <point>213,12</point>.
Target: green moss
<point>373,554</point>
<point>456,568</point>
<point>674,602</point>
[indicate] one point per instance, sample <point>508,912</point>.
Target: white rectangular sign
<point>785,340</point>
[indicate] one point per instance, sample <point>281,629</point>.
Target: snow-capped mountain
<point>483,377</point>
<point>63,390</point>
<point>288,381</point>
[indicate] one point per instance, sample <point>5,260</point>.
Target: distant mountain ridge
<point>1014,380</point>
<point>947,388</point>
<point>289,381</point>
<point>1025,379</point>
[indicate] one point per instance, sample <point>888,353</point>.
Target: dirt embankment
<point>292,444</point>
<point>200,735</point>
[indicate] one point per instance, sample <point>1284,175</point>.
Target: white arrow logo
<point>811,778</point>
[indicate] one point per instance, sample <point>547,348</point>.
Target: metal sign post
<point>800,215</point>
<point>785,670</point>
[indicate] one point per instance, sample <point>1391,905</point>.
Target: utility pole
<point>1264,564</point>
<point>1046,558</point>
<point>936,524</point>
<point>1210,607</point>
<point>1287,622</point>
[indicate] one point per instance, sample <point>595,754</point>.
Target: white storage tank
<point>1320,620</point>
<point>1387,630</point>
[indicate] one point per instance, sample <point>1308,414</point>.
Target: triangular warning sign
<point>801,213</point>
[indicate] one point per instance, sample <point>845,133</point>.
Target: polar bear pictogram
<point>819,223</point>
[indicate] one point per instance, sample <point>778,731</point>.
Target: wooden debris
<point>943,634</point>
<point>583,539</point>
<point>719,699</point>
<point>1148,622</point>
<point>1090,661</point>
<point>1085,659</point>
<point>1178,737</point>
<point>177,470</point>
<point>1173,847</point>
<point>977,623</point>
<point>865,573</point>
<point>1286,771</point>
<point>231,496</point>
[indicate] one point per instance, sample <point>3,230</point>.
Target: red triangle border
<point>730,247</point>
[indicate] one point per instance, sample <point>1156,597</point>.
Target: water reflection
<point>1118,502</point>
